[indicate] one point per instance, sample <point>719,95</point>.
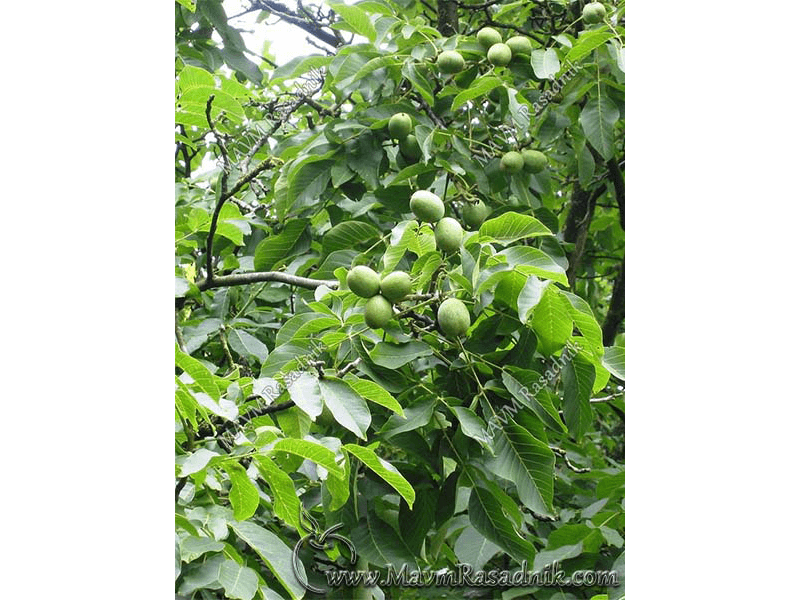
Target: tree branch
<point>619,188</point>
<point>290,16</point>
<point>576,229</point>
<point>448,17</point>
<point>616,309</point>
<point>259,276</point>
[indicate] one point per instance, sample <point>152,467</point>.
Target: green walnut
<point>400,126</point>
<point>534,160</point>
<point>448,234</point>
<point>499,55</point>
<point>453,317</point>
<point>363,281</point>
<point>427,206</point>
<point>594,12</point>
<point>450,61</point>
<point>489,37</point>
<point>475,214</point>
<point>396,286</point>
<point>377,312</point>
<point>520,45</point>
<point>512,162</point>
<point>409,148</point>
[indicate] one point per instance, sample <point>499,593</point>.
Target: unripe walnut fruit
<point>519,45</point>
<point>399,126</point>
<point>448,234</point>
<point>594,12</point>
<point>488,37</point>
<point>475,214</point>
<point>534,160</point>
<point>499,55</point>
<point>453,317</point>
<point>396,286</point>
<point>409,148</point>
<point>512,162</point>
<point>450,61</point>
<point>377,312</point>
<point>363,281</point>
<point>427,206</point>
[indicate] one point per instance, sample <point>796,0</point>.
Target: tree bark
<point>616,309</point>
<point>448,17</point>
<point>576,229</point>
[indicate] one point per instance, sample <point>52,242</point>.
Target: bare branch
<point>259,276</point>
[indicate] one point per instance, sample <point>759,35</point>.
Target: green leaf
<point>239,581</point>
<point>312,451</point>
<point>285,502</point>
<point>192,77</point>
<point>374,64</point>
<point>299,65</point>
<point>369,390</point>
<point>487,516</point>
<point>189,4</point>
<point>614,361</point>
<point>247,345</point>
<point>347,407</point>
<point>305,183</point>
<point>578,376</point>
<point>275,248</point>
<point>198,372</point>
<point>535,262</point>
<point>545,63</point>
<point>304,390</point>
<point>192,547</point>
<point>275,554</point>
<point>349,234</point>
<point>384,470</point>
<point>412,72</point>
<point>236,60</point>
<point>181,287</point>
<point>597,119</point>
<point>529,296</point>
<point>357,19</point>
<point>380,545</point>
<point>480,87</point>
<point>474,549</point>
<point>528,463</point>
<point>511,226</point>
<point>588,42</point>
<point>472,425</point>
<point>552,321</point>
<point>585,320</point>
<point>243,495</point>
<point>415,417</point>
<point>527,387</point>
<point>394,356</point>
<point>197,461</point>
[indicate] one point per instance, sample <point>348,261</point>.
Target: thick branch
<point>576,229</point>
<point>259,276</point>
<point>448,17</point>
<point>616,309</point>
<point>619,188</point>
<point>290,16</point>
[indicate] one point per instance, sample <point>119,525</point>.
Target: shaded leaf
<point>384,470</point>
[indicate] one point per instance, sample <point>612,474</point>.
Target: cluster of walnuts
<point>453,317</point>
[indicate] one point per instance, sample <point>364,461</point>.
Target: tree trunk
<point>448,17</point>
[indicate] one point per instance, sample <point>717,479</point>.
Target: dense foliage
<point>492,448</point>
